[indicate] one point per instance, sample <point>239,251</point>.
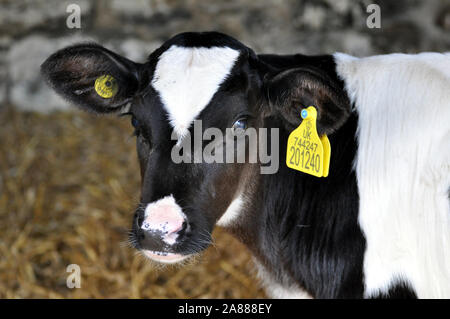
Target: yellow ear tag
<point>306,152</point>
<point>106,86</point>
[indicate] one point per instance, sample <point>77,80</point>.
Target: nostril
<point>178,229</point>
<point>176,235</point>
<point>139,220</point>
<point>182,229</point>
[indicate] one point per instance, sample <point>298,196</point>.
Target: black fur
<point>400,290</point>
<point>308,227</point>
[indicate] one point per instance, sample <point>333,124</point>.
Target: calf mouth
<point>180,252</point>
<point>164,257</point>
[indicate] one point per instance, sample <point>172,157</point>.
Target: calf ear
<point>92,77</point>
<point>290,91</point>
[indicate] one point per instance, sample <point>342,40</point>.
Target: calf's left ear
<point>92,77</point>
<point>288,92</point>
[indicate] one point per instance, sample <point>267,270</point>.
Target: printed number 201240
<point>305,159</point>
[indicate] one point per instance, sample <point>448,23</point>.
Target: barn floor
<point>68,186</point>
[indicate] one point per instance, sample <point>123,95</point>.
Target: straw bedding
<point>68,185</point>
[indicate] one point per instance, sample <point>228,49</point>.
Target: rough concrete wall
<point>30,30</point>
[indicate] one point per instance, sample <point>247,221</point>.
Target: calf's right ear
<point>92,77</point>
<point>289,91</point>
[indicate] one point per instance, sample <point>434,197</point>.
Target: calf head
<point>194,76</point>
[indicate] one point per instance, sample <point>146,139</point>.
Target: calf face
<point>209,77</point>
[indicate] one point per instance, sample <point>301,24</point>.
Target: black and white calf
<point>377,226</point>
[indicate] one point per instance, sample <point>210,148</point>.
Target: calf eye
<point>134,122</point>
<point>239,126</point>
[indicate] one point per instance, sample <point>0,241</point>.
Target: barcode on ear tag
<point>306,152</point>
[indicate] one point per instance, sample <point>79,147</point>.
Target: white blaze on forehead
<point>187,79</point>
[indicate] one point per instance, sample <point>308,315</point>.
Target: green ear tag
<point>106,86</point>
<point>306,152</point>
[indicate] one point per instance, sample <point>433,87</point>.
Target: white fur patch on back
<point>187,79</point>
<point>403,168</point>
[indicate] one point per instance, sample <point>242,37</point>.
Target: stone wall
<point>30,30</point>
